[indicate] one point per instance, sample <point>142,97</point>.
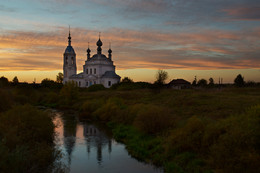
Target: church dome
<point>99,43</point>
<point>69,49</point>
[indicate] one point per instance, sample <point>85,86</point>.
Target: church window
<point>91,71</point>
<point>109,83</point>
<point>95,71</point>
<point>72,60</point>
<point>87,71</point>
<point>66,60</point>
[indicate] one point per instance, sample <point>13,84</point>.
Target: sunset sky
<point>187,38</point>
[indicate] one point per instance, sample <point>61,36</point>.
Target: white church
<point>98,69</point>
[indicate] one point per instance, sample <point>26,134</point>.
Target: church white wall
<point>108,82</point>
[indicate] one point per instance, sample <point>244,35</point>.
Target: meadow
<point>192,130</point>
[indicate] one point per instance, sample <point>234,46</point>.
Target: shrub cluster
<point>26,140</point>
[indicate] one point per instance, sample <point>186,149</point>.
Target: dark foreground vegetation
<point>196,130</point>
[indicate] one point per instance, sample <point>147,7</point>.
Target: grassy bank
<point>183,131</point>
<point>205,130</point>
<point>26,136</point>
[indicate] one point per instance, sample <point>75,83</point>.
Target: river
<point>88,147</point>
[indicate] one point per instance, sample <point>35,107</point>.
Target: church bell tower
<point>69,61</point>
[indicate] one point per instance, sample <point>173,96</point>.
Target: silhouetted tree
<point>59,77</point>
<point>48,83</point>
<point>127,80</point>
<point>202,82</point>
<point>250,83</point>
<point>69,92</point>
<point>161,77</point>
<point>211,81</point>
<point>239,81</point>
<point>3,81</point>
<point>194,83</point>
<point>15,80</point>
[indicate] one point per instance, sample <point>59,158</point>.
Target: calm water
<point>90,148</point>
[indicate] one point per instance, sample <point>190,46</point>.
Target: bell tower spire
<point>69,38</point>
<point>69,61</point>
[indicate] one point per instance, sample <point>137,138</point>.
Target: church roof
<point>110,74</point>
<point>99,57</point>
<point>69,49</point>
<point>179,82</point>
<point>80,75</point>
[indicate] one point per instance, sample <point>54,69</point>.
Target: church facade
<point>98,69</point>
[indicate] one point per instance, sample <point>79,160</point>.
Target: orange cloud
<point>204,49</point>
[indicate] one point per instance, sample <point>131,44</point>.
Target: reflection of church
<point>98,69</point>
<point>69,133</point>
<point>93,136</point>
<point>96,138</point>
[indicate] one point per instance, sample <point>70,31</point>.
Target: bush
<point>6,100</point>
<point>88,107</point>
<point>189,137</point>
<point>28,145</point>
<point>111,109</point>
<point>96,87</point>
<point>153,119</point>
<point>69,93</point>
<point>237,149</point>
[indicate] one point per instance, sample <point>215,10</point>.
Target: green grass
<point>185,130</point>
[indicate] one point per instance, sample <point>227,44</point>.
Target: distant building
<point>98,69</point>
<point>179,84</point>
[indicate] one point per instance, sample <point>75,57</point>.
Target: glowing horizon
<point>221,39</point>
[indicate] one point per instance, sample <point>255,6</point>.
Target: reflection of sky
<point>145,34</point>
<point>115,161</point>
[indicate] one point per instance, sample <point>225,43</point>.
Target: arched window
<point>91,71</point>
<point>72,60</point>
<point>87,71</point>
<point>95,71</point>
<point>66,60</point>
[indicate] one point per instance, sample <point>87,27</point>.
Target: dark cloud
<point>244,13</point>
<point>7,9</point>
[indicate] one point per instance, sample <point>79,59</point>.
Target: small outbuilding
<point>179,84</point>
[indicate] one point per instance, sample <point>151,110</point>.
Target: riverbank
<point>183,131</point>
<point>206,130</point>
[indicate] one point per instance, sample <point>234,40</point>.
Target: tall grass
<point>26,140</point>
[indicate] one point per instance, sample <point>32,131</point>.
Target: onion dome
<point>88,50</point>
<point>99,43</point>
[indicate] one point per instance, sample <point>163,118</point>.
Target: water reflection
<point>90,148</point>
<point>98,139</point>
<point>69,133</point>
